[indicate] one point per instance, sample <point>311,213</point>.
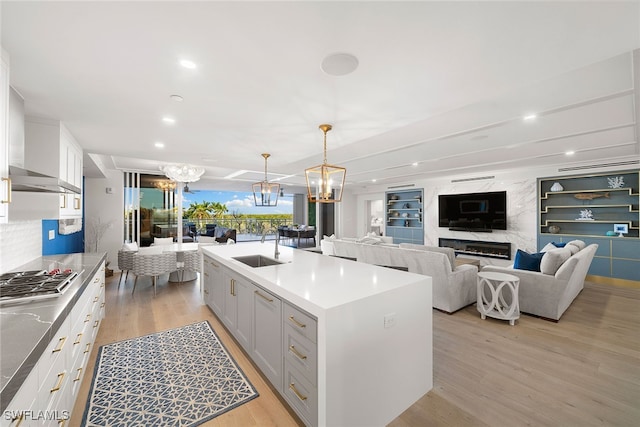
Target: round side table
<point>498,296</point>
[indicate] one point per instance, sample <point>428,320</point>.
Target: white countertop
<point>313,281</point>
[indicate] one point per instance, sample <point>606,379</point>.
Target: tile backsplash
<point>20,242</point>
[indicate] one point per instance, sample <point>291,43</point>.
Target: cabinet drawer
<point>301,394</point>
<point>300,352</point>
<point>57,349</point>
<point>301,322</point>
<point>23,401</point>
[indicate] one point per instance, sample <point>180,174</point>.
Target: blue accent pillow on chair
<point>527,261</point>
<point>559,245</point>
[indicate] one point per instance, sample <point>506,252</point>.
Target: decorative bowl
<point>554,229</point>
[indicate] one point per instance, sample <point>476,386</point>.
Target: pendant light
<point>264,192</point>
<point>325,182</point>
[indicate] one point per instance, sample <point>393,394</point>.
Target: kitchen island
<point>28,327</point>
<point>353,345</point>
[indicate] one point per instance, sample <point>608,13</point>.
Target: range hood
<point>23,179</point>
<point>34,182</point>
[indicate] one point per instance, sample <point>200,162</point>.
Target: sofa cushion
<point>132,247</point>
<point>527,261</point>
<point>449,252</point>
<point>553,259</point>
<point>579,243</point>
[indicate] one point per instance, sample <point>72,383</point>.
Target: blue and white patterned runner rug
<point>179,377</point>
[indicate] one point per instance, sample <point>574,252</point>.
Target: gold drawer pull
<point>263,297</point>
<point>215,265</point>
<point>102,305</point>
<point>60,379</point>
<point>96,299</point>
<point>87,318</point>
<point>77,378</point>
<point>88,348</point>
<point>64,201</point>
<point>233,287</point>
<point>293,350</point>
<point>60,345</point>
<point>19,418</point>
<point>301,325</point>
<point>206,274</point>
<point>206,292</point>
<point>9,201</point>
<point>76,203</point>
<point>292,386</point>
<point>62,423</point>
<point>78,339</point>
<point>96,323</point>
<point>96,280</point>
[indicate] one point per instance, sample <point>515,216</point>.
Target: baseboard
<point>614,281</point>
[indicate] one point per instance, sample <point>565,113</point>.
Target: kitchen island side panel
<point>371,373</point>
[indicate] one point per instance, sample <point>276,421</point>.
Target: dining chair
<point>153,265</point>
<point>125,263</point>
<point>191,262</point>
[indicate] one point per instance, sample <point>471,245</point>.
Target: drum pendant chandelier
<point>325,182</point>
<point>264,192</point>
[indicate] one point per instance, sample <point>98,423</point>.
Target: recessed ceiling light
<point>373,180</point>
<point>570,153</point>
<point>176,98</point>
<point>339,64</point>
<point>169,120</point>
<point>188,64</point>
<point>530,117</point>
<point>159,144</point>
<point>414,164</point>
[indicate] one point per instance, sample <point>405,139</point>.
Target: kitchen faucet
<point>276,253</point>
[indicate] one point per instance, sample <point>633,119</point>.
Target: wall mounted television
<point>473,211</point>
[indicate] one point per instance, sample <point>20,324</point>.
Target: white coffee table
<point>498,296</point>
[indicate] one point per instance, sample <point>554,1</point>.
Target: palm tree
<point>199,213</point>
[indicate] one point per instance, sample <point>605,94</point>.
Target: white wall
<point>20,242</point>
<point>108,209</point>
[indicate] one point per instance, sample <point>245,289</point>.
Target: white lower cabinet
<point>280,338</point>
<point>48,394</point>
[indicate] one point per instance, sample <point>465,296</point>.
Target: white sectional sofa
<point>453,287</point>
<point>549,292</point>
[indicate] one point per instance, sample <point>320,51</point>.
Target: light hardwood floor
<point>581,371</point>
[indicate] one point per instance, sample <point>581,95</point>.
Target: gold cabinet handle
<point>87,318</point>
<point>8,200</point>
<point>62,423</point>
<point>87,348</point>
<point>102,305</point>
<point>96,299</point>
<point>233,287</point>
<point>96,280</point>
<point>301,325</point>
<point>206,274</point>
<point>295,351</point>
<point>206,292</point>
<point>263,297</point>
<point>78,339</point>
<point>96,323</point>
<point>76,203</point>
<point>64,201</point>
<point>215,265</point>
<point>59,384</point>
<point>77,378</point>
<point>60,345</point>
<point>19,418</point>
<point>292,386</point>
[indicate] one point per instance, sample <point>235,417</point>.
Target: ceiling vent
<point>601,165</point>
<point>479,178</point>
<point>400,186</point>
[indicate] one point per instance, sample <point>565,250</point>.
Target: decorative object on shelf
<point>325,182</point>
<point>585,215</point>
<point>610,233</point>
<point>396,214</point>
<point>621,229</point>
<point>182,172</point>
<point>394,197</point>
<point>406,206</point>
<point>406,223</point>
<point>265,193</point>
<point>616,182</point>
<point>556,187</point>
<point>417,215</point>
<point>554,229</point>
<point>405,215</point>
<point>591,196</point>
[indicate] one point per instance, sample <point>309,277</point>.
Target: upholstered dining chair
<point>191,262</point>
<point>125,263</point>
<point>153,265</point>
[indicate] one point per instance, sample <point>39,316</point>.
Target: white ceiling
<point>445,84</point>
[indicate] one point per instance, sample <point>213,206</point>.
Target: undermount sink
<point>256,260</point>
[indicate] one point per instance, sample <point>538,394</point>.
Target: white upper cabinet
<point>5,191</point>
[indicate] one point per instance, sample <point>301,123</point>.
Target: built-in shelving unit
<point>404,215</point>
<point>586,207</point>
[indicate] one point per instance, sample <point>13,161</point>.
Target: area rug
<point>180,377</point>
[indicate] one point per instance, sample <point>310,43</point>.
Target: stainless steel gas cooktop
<point>35,284</point>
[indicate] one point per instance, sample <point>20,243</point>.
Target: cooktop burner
<point>36,283</point>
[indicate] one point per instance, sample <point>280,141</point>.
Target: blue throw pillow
<point>559,245</point>
<point>527,261</point>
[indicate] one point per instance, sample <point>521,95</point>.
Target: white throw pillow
<point>162,240</point>
<point>133,247</point>
<point>549,247</point>
<point>573,248</point>
<point>553,259</point>
<point>578,243</point>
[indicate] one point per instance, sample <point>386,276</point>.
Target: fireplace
<point>482,248</point>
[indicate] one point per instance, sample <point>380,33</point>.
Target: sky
<point>237,200</point>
